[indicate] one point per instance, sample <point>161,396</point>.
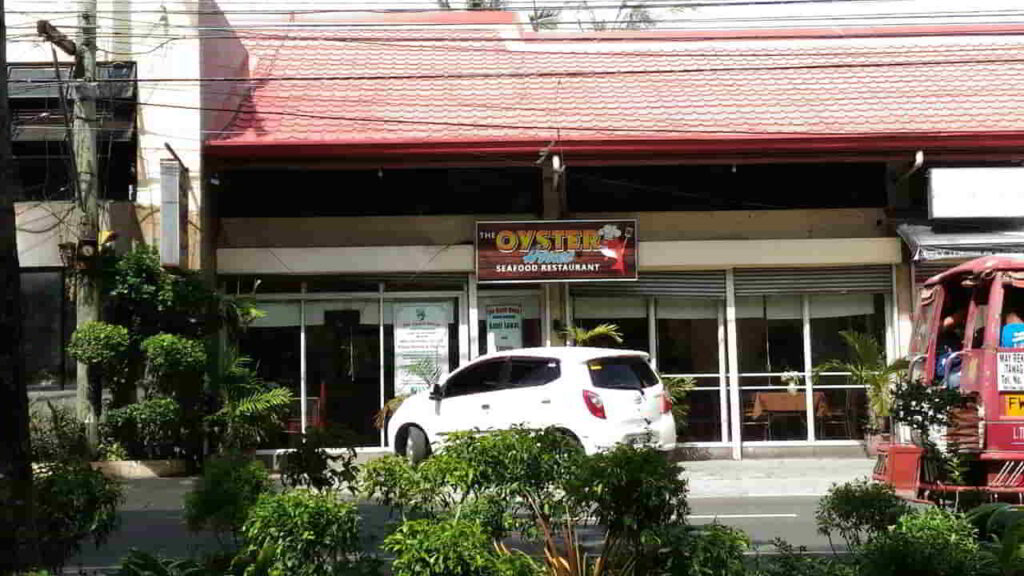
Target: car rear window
<point>622,373</point>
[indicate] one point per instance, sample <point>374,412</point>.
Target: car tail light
<point>666,404</point>
<point>594,404</point>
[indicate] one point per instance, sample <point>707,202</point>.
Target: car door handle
<point>485,406</point>
<point>546,401</point>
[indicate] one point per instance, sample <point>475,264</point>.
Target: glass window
<point>770,334</point>
<point>977,328</point>
<point>776,414</point>
<point>629,314</point>
<point>704,421</point>
<point>508,322</point>
<point>687,336</point>
<point>622,373</point>
<point>526,372</point>
<point>844,411</point>
<point>832,314</point>
<point>483,377</point>
<point>272,342</point>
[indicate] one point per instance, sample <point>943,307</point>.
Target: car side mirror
<point>435,392</point>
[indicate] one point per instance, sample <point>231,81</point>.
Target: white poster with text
<point>504,327</point>
<point>421,344</point>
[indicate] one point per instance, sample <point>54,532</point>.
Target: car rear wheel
<point>416,446</point>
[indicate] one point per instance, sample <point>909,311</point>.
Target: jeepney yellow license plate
<point>1014,405</point>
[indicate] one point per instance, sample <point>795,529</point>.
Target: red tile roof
<point>487,87</point>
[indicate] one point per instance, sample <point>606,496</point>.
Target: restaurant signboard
<point>556,251</point>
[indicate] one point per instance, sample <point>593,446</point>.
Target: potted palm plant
<point>867,367</point>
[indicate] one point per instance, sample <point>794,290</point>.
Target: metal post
<point>303,386</point>
<point>808,367</point>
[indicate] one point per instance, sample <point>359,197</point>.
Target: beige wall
<point>42,226</point>
<point>653,226</point>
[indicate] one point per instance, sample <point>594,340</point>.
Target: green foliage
<point>225,493</point>
<point>678,390</point>
<point>100,345</point>
<point>600,335</point>
<point>710,550</point>
<point>303,533</point>
<point>72,502</point>
<point>250,409</point>
<point>451,548</point>
<point>921,407</point>
<point>790,561</point>
<point>630,491</point>
<point>138,563</point>
<point>1000,529</point>
<point>868,368</point>
<point>145,430</point>
<point>169,355</point>
<point>393,482</point>
<point>310,466</point>
<point>858,510</point>
<point>57,435</point>
<point>931,542</point>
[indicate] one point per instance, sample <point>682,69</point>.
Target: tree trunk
<point>16,537</point>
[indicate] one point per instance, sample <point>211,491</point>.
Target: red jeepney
<point>968,335</point>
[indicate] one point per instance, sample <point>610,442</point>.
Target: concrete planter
<point>133,469</point>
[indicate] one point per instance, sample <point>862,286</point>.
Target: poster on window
<point>556,251</point>
<point>421,345</point>
<point>504,327</point>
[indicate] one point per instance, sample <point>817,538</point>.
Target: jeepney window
<point>977,328</point>
<point>1012,333</point>
<point>919,345</point>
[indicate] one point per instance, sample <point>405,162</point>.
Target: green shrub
<point>148,429</point>
<point>229,487</point>
<point>630,490</point>
<point>931,542</point>
<point>138,563</point>
<point>310,466</point>
<point>790,561</point>
<point>169,355</point>
<point>72,502</point>
<point>100,345</point>
<point>858,510</point>
<point>393,482</point>
<point>58,435</point>
<point>711,550</point>
<point>451,548</point>
<point>1000,528</point>
<point>303,533</point>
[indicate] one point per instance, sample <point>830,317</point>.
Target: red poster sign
<point>1004,436</point>
<point>556,250</point>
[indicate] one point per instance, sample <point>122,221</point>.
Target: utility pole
<point>87,301</point>
<point>16,535</point>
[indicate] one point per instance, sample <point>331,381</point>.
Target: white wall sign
<point>1011,371</point>
<point>505,326</point>
<point>421,332</point>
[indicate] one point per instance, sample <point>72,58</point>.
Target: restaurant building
<point>749,186</point>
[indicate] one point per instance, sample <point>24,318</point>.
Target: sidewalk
<point>771,477</point>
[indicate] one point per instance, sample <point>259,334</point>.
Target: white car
<point>601,397</point>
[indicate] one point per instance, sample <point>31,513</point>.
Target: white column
<point>545,316</point>
<point>808,367</point>
<point>734,369</point>
<point>723,398</point>
<point>894,330</point>
<point>567,302</point>
<point>652,331</point>
<point>302,362</point>
<point>463,329</point>
<point>380,353</point>
<point>474,318</point>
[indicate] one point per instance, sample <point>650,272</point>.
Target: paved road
<point>151,520</point>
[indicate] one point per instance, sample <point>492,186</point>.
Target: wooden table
<point>768,403</point>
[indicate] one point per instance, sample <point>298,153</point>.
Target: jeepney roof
<point>979,265</point>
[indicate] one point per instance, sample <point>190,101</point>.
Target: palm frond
<point>262,402</point>
<point>380,419</point>
<point>602,332</point>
